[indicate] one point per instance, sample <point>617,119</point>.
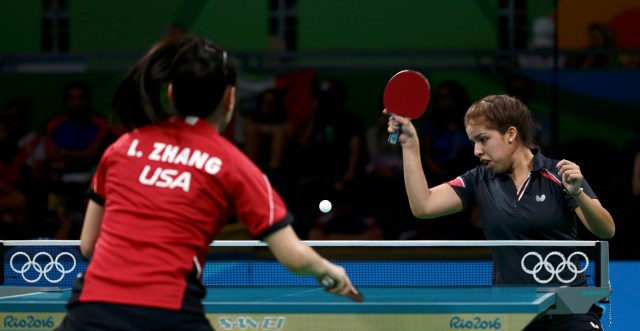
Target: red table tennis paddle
<point>328,283</point>
<point>407,94</point>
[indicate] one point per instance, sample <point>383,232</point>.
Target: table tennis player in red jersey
<point>163,191</point>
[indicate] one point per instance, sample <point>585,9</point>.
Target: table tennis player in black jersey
<point>520,194</point>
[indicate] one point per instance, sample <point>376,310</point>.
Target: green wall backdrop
<point>242,25</point>
<point>125,25</point>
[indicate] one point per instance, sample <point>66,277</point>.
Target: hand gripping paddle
<point>407,94</point>
<point>328,283</point>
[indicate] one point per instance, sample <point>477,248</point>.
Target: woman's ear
<point>512,132</point>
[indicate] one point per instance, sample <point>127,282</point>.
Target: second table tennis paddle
<point>407,94</point>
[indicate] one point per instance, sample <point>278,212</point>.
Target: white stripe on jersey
<point>523,187</point>
<point>271,204</point>
<point>198,266</point>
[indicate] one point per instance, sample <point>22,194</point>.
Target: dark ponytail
<point>199,70</point>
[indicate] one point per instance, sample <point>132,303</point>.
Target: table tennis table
<point>309,308</point>
<point>247,290</point>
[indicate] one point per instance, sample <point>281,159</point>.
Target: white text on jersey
<point>167,153</point>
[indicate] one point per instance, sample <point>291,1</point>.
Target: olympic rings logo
<point>43,268</point>
<point>554,271</point>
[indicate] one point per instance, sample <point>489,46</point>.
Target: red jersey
<point>167,191</point>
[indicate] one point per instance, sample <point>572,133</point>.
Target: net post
<point>604,264</point>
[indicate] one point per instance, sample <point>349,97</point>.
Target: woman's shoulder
<point>542,161</point>
<point>476,174</point>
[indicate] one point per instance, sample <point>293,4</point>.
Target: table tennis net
<point>368,263</point>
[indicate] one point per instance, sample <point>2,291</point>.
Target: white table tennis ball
<point>325,206</point>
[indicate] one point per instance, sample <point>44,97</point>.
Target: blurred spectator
<point>630,169</point>
<point>447,153</point>
<point>22,193</point>
<point>115,130</point>
<point>299,89</point>
<point>267,131</point>
<point>601,39</point>
<point>17,113</point>
<point>13,203</point>
<point>334,141</point>
<point>542,42</point>
<point>331,160</point>
<point>521,87</point>
<point>385,159</point>
<point>626,196</point>
<point>75,142</point>
<point>386,198</point>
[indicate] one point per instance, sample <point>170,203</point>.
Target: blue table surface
<point>405,300</point>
